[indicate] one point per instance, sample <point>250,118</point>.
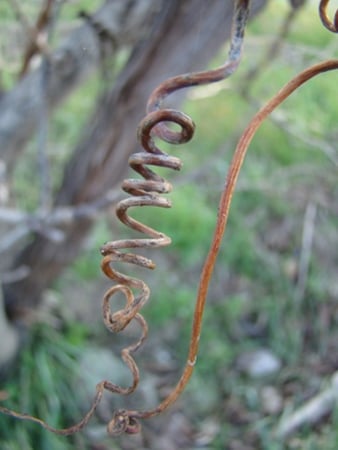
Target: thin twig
<point>42,143</point>
<point>38,35</point>
<point>45,24</point>
<point>63,215</point>
<point>15,275</point>
<point>312,412</point>
<point>327,22</point>
<point>329,150</point>
<point>283,122</point>
<point>51,224</point>
<point>271,53</point>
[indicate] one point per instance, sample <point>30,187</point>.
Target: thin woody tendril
<point>147,192</point>
<point>328,23</point>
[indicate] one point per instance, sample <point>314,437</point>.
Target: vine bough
<point>327,22</point>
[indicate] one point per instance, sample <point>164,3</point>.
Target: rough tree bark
<point>184,35</point>
<point>75,59</point>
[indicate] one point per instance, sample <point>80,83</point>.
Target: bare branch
<point>37,42</point>
<point>312,412</point>
<point>77,56</point>
<point>271,53</point>
<point>15,275</point>
<point>50,224</point>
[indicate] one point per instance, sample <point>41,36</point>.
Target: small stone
<point>209,430</point>
<point>272,402</point>
<point>258,363</point>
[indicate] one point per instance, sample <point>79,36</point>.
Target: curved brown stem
<point>146,192</point>
<point>65,431</point>
<point>327,22</point>
<point>223,214</point>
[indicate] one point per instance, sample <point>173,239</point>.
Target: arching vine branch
<point>328,23</point>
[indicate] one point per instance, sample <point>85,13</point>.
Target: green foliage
<point>70,10</point>
<point>171,301</point>
<point>188,223</point>
<point>42,385</point>
<point>6,12</point>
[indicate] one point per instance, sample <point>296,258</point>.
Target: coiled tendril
<point>328,23</point>
<point>147,192</point>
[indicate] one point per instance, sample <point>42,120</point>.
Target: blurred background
<point>75,78</point>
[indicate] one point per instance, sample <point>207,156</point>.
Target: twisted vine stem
<point>146,193</point>
<point>327,22</point>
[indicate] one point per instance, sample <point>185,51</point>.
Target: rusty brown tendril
<point>327,22</point>
<point>122,418</point>
<point>128,420</point>
<point>146,193</point>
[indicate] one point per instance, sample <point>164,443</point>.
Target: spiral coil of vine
<point>147,192</point>
<point>327,22</point>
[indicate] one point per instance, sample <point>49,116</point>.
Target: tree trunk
<point>184,36</point>
<point>77,57</point>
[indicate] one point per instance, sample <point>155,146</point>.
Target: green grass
<point>42,384</point>
<point>70,10</point>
